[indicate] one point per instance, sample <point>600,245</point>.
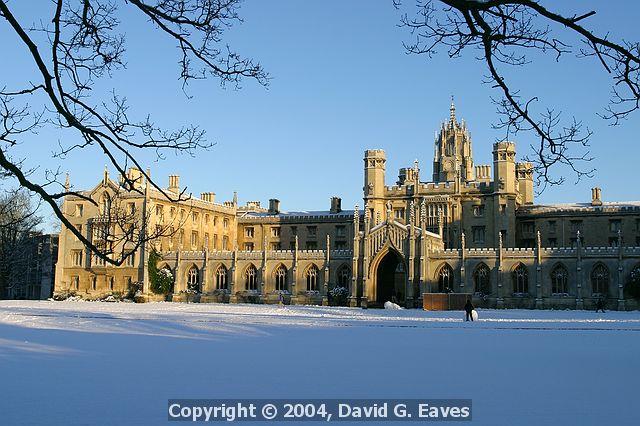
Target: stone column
<point>353,291</point>
<point>463,258</point>
<point>364,301</point>
<point>499,277</point>
<point>263,271</point>
<point>539,298</point>
<point>233,296</point>
<point>412,254</point>
<point>621,305</point>
<point>294,274</point>
<point>579,277</point>
<point>325,284</point>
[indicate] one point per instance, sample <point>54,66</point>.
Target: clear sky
<point>341,83</point>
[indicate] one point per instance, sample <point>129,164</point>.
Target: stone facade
<point>474,229</point>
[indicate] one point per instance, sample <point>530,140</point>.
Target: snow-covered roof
<point>580,207</point>
<point>313,213</point>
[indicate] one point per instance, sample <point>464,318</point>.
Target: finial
<point>106,175</point>
<point>66,183</point>
<point>453,111</point>
<point>412,212</point>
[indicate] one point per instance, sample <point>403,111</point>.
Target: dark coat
<point>468,307</point>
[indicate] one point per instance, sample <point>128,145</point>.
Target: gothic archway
<point>390,279</point>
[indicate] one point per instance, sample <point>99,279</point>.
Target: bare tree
<point>502,33</point>
<point>81,43</point>
<point>18,221</point>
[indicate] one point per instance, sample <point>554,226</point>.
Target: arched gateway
<point>389,279</point>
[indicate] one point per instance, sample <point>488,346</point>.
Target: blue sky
<point>341,84</point>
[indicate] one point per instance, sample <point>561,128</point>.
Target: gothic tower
<point>453,151</point>
<point>374,167</point>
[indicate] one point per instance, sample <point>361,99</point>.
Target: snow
<point>92,363</point>
<point>391,305</point>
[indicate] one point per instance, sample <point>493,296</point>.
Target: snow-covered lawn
<point>90,363</point>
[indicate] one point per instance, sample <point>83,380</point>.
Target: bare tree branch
<point>502,32</point>
<point>81,45</point>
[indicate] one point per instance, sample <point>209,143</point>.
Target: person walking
<point>599,305</point>
<point>468,308</point>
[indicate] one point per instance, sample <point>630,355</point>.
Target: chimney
<point>595,196</point>
<point>174,184</point>
<point>336,205</point>
<point>135,176</point>
<point>209,197</point>
<point>274,206</point>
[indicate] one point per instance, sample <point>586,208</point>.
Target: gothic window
<point>312,278</point>
<point>341,245</point>
<point>77,257</point>
<point>575,226</point>
<point>221,278</point>
<point>311,245</point>
<point>559,278</point>
<point>482,279</point>
<point>111,283</point>
<point>478,234</point>
<point>615,225</point>
<point>445,279</point>
<point>528,227</point>
<point>97,260</point>
<point>344,277</point>
<point>193,281</point>
<point>250,281</point>
<point>131,259</point>
<point>341,231</point>
<point>520,277</point>
<point>600,280</point>
<point>75,282</point>
<point>105,204</point>
<point>249,232</point>
<point>281,278</point>
<point>275,231</point>
<point>312,231</point>
<point>478,211</point>
<point>93,283</point>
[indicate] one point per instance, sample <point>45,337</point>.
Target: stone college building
<point>472,229</point>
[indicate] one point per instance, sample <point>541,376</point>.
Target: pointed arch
<point>600,279</point>
<point>280,275</point>
<point>343,276</point>
<point>311,277</point>
<point>520,279</point>
<point>559,279</point>
<point>445,278</point>
<point>193,279</point>
<point>105,204</point>
<point>251,277</point>
<point>482,279</point>
<point>222,277</point>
